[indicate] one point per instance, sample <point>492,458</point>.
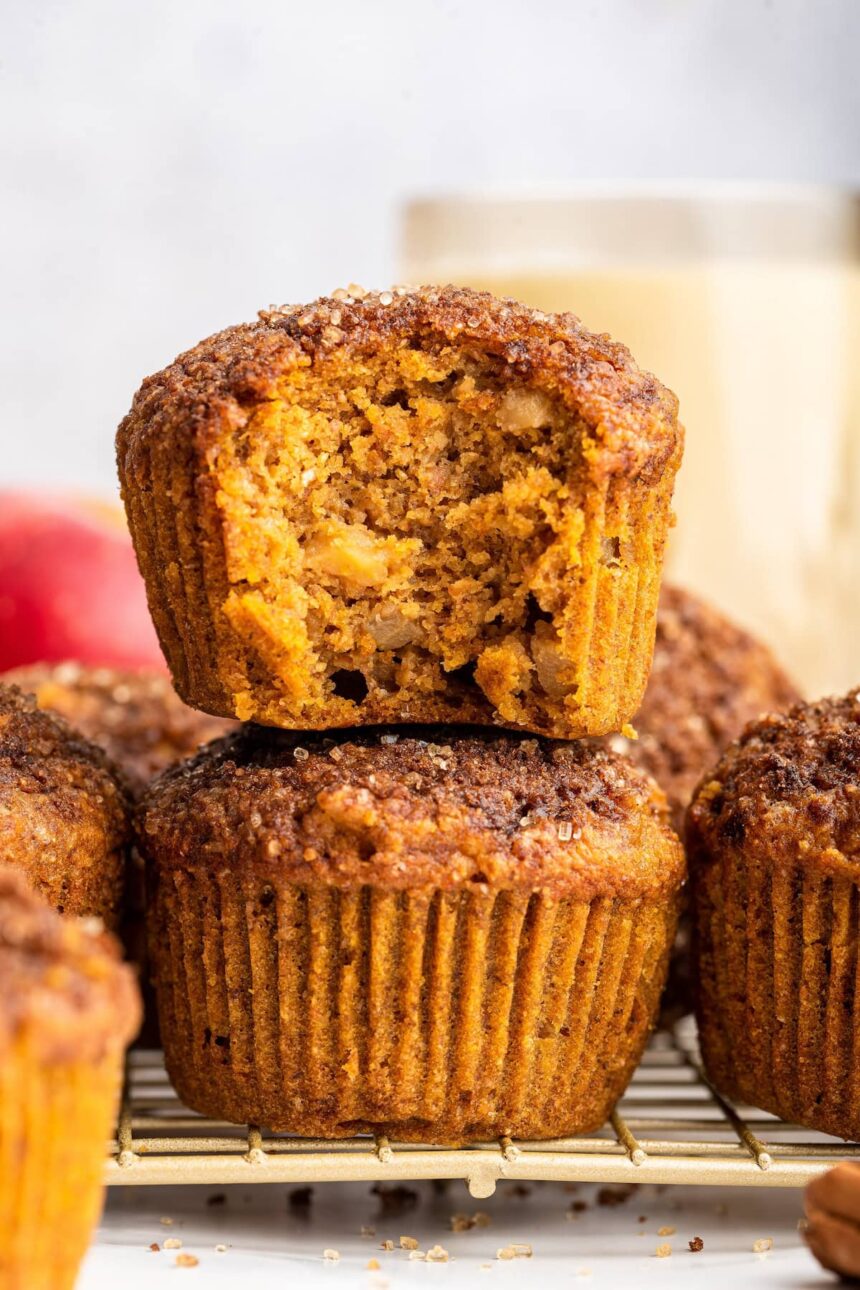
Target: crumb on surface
<point>763,1245</point>
<point>666,1231</point>
<point>331,1256</point>
<point>696,1244</point>
<point>187,1260</point>
<point>663,1251</point>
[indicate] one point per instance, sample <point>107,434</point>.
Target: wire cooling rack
<point>670,1127</point>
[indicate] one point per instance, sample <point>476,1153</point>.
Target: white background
<point>171,166</point>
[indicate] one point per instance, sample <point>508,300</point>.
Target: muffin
<point>420,506</point>
<point>440,941</point>
<point>67,1009</point>
<point>64,812</point>
<point>137,717</point>
<point>709,678</point>
<point>773,839</point>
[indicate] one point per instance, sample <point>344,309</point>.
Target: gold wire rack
<point>670,1127</point>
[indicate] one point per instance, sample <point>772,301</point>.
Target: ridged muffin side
<point>774,842</point>
<point>441,941</point>
<point>67,1010</point>
<point>423,505</point>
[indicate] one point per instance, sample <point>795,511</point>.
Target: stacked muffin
<point>361,519</point>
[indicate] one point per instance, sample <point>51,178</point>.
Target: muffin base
<point>778,968</point>
<point>54,1122</point>
<point>425,1015</point>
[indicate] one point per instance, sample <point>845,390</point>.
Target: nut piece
<point>524,410</point>
<point>350,552</point>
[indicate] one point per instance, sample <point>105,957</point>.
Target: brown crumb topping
<point>64,985</point>
<point>405,810</point>
<point>137,717</point>
<point>63,810</point>
<point>790,786</point>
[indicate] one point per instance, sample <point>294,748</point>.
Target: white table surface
<point>272,1245</point>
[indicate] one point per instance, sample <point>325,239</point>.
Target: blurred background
<point>173,166</point>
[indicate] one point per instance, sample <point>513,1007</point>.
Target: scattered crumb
<point>571,1187</point>
<point>187,1260</point>
<point>418,1255</point>
<point>408,1243</point>
<point>663,1251</point>
<point>763,1245</point>
<point>521,1189</point>
<point>514,1252</point>
<point>173,1243</point>
<point>219,1198</point>
<point>696,1244</point>
<point>386,1245</point>
<point>436,1254</point>
<point>486,1267</point>
<point>221,1249</point>
<point>301,1197</point>
<point>373,1265</point>
<point>368,1231</point>
<point>155,1247</point>
<point>332,1256</point>
<point>643,1218</point>
<point>394,1199</point>
<point>166,1222</point>
<point>577,1207</point>
<point>465,1222</point>
<point>611,1196</point>
<point>666,1231</point>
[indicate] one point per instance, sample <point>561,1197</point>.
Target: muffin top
<point>630,419</point>
<point>63,808</point>
<point>788,789</point>
<point>708,679</point>
<point>393,809</point>
<point>63,981</point>
<point>137,717</point>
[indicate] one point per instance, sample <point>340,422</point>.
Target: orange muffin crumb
<point>419,505</point>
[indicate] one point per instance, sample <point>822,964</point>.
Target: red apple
<point>69,585</point>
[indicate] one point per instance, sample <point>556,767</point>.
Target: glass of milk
<point>745,300</point>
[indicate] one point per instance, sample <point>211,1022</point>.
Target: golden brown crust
<point>64,815</point>
<point>787,790</point>
<point>396,811</point>
<point>426,506</point>
<point>633,418</point>
<point>137,717</point>
<point>63,980</point>
<point>709,678</point>
<point>773,838</point>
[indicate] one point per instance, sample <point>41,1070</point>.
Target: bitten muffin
<point>709,678</point>
<point>137,717</point>
<point>68,1007</point>
<point>419,505</point>
<point>64,813</point>
<point>774,844</point>
<point>440,941</point>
